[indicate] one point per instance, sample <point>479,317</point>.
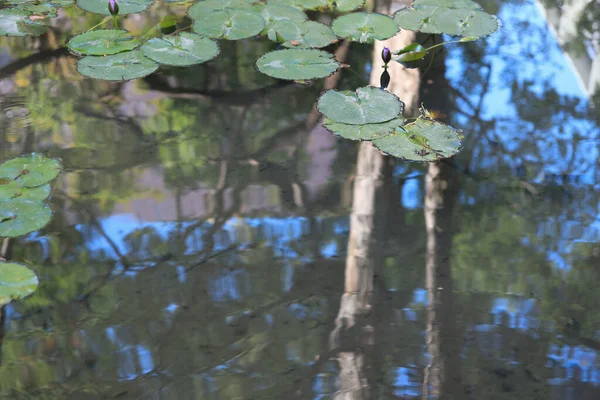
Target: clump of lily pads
<point>24,189</point>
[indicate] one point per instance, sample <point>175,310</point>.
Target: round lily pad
<point>125,6</point>
<point>365,131</point>
<point>22,216</point>
<point>422,140</point>
<point>297,64</point>
<point>365,27</point>
<point>230,24</point>
<point>15,22</point>
<point>31,170</point>
<point>10,189</point>
<point>204,8</point>
<point>102,42</point>
<point>368,105</point>
<point>306,34</point>
<point>16,282</point>
<point>456,18</point>
<point>118,67</point>
<point>278,17</point>
<point>184,49</point>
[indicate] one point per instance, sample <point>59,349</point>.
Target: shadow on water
<point>212,240</point>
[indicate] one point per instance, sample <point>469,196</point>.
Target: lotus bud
<point>386,55</point>
<point>113,7</point>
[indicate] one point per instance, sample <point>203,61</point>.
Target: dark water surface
<point>201,232</point>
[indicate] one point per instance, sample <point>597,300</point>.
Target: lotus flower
<point>386,55</point>
<point>113,7</point>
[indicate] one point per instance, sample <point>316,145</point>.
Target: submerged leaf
<point>182,50</point>
<point>368,105</point>
<point>297,64</point>
<point>118,67</point>
<point>365,27</point>
<point>16,282</point>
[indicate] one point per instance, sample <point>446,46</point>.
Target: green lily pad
<point>230,24</point>
<point>118,67</point>
<point>15,22</point>
<point>22,216</point>
<point>305,35</point>
<point>102,42</point>
<point>368,105</point>
<point>31,170</point>
<point>16,282</point>
<point>423,140</point>
<point>125,6</point>
<point>278,17</point>
<point>57,3</point>
<point>365,27</point>
<point>10,189</point>
<point>39,9</point>
<point>297,64</point>
<point>182,50</point>
<point>338,5</point>
<point>363,132</point>
<point>204,8</point>
<point>456,18</point>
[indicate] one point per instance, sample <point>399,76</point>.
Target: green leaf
<point>118,67</point>
<point>125,7</point>
<point>338,5</point>
<point>15,22</point>
<point>422,140</point>
<point>46,9</point>
<point>305,35</point>
<point>205,8</point>
<point>102,42</point>
<point>168,24</point>
<point>182,50</point>
<point>16,282</point>
<point>10,189</point>
<point>279,17</point>
<point>365,27</point>
<point>31,170</point>
<point>365,131</point>
<point>22,216</point>
<point>368,105</point>
<point>411,56</point>
<point>297,64</point>
<point>457,18</point>
<point>230,24</point>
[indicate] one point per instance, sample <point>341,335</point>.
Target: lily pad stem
<point>115,22</point>
<point>105,20</point>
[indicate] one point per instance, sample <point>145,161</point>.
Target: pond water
<point>207,242</point>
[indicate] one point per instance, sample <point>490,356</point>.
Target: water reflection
<point>201,234</point>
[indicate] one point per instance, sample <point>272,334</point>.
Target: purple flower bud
<point>386,55</point>
<point>113,7</point>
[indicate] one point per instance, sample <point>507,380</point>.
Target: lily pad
<point>10,189</point>
<point>16,282</point>
<point>31,170</point>
<point>22,216</point>
<point>305,35</point>
<point>39,9</point>
<point>363,132</point>
<point>423,140</point>
<point>278,17</point>
<point>338,5</point>
<point>125,6</point>
<point>102,42</point>
<point>297,64</point>
<point>365,27</point>
<point>368,105</point>
<point>204,8</point>
<point>118,67</point>
<point>15,22</point>
<point>182,50</point>
<point>230,24</point>
<point>456,18</point>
